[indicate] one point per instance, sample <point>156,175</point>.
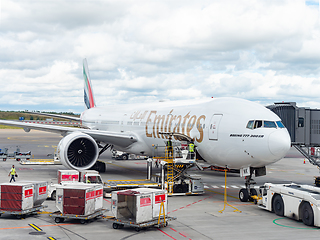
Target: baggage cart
<point>3,156</point>
<point>118,224</point>
<point>139,208</point>
<point>60,217</point>
<point>23,213</point>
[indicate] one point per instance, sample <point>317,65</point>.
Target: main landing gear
<point>246,194</point>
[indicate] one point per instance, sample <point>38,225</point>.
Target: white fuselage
<point>219,128</point>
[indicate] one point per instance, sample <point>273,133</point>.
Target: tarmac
<point>198,216</point>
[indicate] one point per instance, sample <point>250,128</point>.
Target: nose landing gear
<point>246,194</point>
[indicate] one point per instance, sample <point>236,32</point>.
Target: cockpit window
<point>250,124</point>
<point>280,124</point>
<point>253,124</point>
<point>258,124</point>
<point>269,124</point>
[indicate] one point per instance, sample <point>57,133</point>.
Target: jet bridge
<point>303,125</point>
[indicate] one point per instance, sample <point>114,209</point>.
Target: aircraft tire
<point>244,195</point>
<point>253,192</point>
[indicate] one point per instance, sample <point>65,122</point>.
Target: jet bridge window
<point>269,124</point>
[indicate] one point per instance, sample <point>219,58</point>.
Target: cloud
<point>144,51</point>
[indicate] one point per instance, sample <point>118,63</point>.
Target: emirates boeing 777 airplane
<point>227,132</point>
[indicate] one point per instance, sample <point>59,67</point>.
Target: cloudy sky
<point>143,51</point>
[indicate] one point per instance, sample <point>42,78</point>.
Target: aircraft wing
<point>55,116</point>
<point>114,138</point>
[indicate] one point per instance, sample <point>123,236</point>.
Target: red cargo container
<point>68,176</point>
<point>16,196</point>
<point>79,199</point>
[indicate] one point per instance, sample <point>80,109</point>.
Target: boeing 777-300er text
<point>227,132</point>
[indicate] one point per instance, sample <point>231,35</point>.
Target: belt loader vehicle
<point>300,202</point>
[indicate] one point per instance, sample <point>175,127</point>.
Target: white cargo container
<point>16,196</point>
<point>40,192</point>
<point>98,188</point>
<point>79,199</point>
<point>138,205</point>
<point>159,196</point>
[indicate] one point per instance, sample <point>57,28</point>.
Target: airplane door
<point>214,126</point>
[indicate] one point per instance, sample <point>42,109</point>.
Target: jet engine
<point>78,151</point>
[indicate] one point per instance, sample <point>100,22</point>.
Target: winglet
<point>88,94</point>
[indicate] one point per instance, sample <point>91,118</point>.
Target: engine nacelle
<point>78,151</point>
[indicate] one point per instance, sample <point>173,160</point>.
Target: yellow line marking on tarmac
<point>128,180</point>
<point>35,227</point>
<point>54,225</point>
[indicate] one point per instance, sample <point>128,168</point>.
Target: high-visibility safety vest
<point>13,171</point>
<point>191,147</point>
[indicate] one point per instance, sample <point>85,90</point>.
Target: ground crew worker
<point>12,173</point>
<point>89,180</point>
<point>169,147</point>
<point>191,150</point>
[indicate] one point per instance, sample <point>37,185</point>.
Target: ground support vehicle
<point>22,155</point>
<point>38,162</point>
<point>60,217</point>
<point>73,176</point>
<point>3,156</point>
<point>111,185</point>
<point>175,179</point>
<point>17,155</point>
<point>300,202</point>
<point>118,224</point>
<point>24,213</point>
<point>119,155</point>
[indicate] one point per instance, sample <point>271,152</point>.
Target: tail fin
<point>88,94</point>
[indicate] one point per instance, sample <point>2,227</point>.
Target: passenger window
<point>250,124</point>
<point>269,124</point>
<point>280,124</point>
<point>258,124</point>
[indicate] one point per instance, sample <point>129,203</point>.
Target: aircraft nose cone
<point>279,143</point>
